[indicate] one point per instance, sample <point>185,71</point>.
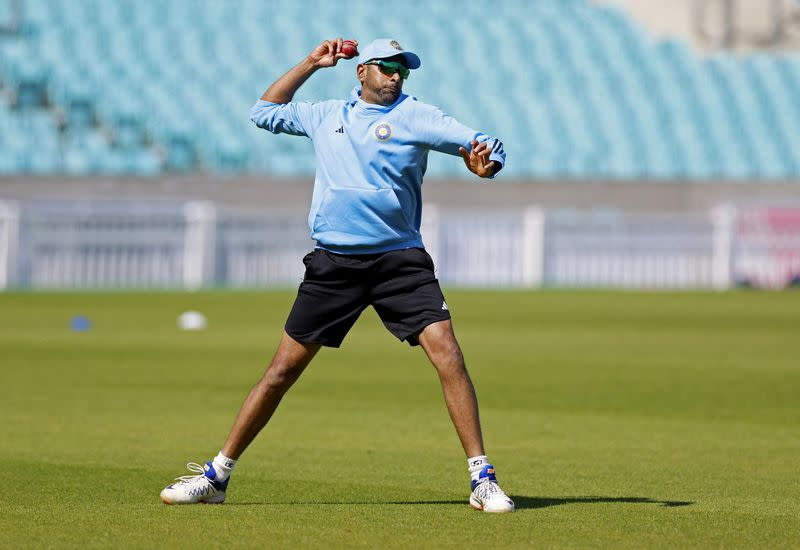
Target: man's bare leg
<point>439,342</point>
<point>211,482</point>
<point>290,360</point>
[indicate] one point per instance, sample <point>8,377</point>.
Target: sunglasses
<point>390,67</point>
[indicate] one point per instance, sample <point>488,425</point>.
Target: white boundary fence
<point>77,245</point>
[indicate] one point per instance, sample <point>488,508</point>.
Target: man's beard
<point>389,95</point>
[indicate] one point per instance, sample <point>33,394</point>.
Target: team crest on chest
<point>383,131</point>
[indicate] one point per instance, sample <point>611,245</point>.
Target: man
<point>365,217</point>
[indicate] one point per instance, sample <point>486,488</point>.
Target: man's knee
<point>281,375</point>
<point>290,360</point>
<point>446,355</point>
<point>441,346</point>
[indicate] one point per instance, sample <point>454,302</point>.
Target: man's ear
<point>361,72</point>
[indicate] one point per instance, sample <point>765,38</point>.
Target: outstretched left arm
<point>483,155</point>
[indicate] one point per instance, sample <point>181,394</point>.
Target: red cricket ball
<point>349,49</point>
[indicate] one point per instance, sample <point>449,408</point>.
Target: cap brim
<point>412,60</point>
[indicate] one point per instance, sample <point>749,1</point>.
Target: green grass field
<point>614,419</point>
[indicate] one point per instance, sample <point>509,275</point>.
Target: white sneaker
<point>201,488</point>
<point>487,494</point>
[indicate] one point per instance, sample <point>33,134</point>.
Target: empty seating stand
<point>575,90</point>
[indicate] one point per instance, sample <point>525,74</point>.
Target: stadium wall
<point>257,192</point>
<point>199,231</point>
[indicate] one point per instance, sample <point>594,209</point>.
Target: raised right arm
<point>275,111</point>
<point>326,54</point>
<point>283,89</point>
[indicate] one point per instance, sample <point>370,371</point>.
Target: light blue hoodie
<point>370,162</point>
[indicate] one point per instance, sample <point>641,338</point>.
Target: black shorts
<point>399,284</point>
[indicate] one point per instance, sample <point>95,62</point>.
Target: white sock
<point>223,466</point>
<point>476,464</point>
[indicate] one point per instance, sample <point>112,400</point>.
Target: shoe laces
<point>488,489</point>
<point>196,484</point>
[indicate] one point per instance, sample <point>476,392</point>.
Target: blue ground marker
<point>80,323</point>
